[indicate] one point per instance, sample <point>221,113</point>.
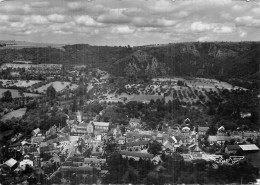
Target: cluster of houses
<point>81,147</point>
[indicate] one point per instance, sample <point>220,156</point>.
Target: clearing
<point>16,113</point>
<point>58,86</point>
<point>15,93</point>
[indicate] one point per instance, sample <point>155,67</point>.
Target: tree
<point>75,105</point>
<point>7,96</point>
<point>212,130</point>
<point>51,92</point>
<point>155,148</point>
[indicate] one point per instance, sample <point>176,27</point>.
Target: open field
<point>192,91</point>
<point>145,98</point>
<point>16,113</point>
<point>15,93</point>
<point>59,86</point>
<point>19,83</point>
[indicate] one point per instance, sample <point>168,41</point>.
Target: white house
<point>25,161</point>
<point>134,122</point>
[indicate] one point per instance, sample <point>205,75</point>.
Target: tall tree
<point>51,92</point>
<point>7,96</point>
<point>154,148</point>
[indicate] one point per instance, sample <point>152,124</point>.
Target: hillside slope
<point>212,59</point>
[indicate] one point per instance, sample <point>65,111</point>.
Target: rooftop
<point>203,129</point>
<point>11,162</point>
<point>101,124</point>
<point>137,143</point>
<point>136,154</point>
<point>233,147</point>
<point>251,147</point>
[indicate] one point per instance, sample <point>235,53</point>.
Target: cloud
<point>122,30</point>
<point>36,19</point>
<point>201,26</point>
<point>212,27</point>
<point>239,7</point>
<point>135,21</point>
<point>39,4</point>
<point>147,22</point>
<point>86,20</point>
<point>256,11</point>
<point>114,16</point>
<point>248,21</point>
<point>242,33</point>
<point>223,29</point>
<point>56,18</point>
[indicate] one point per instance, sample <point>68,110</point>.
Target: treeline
<point>173,169</point>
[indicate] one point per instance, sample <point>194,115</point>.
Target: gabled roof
<point>81,168</point>
<point>203,129</point>
<point>233,147</point>
<point>219,138</point>
<point>11,162</point>
<point>136,154</point>
<point>94,160</point>
<point>37,139</point>
<point>251,147</point>
<point>101,124</point>
<point>135,120</point>
<point>251,134</point>
<point>137,143</point>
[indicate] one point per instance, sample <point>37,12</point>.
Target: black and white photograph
<point>129,92</point>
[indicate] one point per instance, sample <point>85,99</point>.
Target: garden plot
<point>19,83</point>
<point>15,93</point>
<point>58,86</point>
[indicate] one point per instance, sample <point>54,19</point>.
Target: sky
<point>129,22</point>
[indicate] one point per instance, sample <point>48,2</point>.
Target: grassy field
<point>19,83</point>
<point>16,113</point>
<point>59,86</point>
<point>15,93</point>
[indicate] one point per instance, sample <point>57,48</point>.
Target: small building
<point>185,129</point>
<point>135,155</point>
<point>251,135</point>
<point>252,148</point>
<point>35,132</point>
<point>231,149</point>
<point>137,145</point>
<point>218,139</point>
<point>202,130</point>
<point>37,139</point>
<point>101,125</point>
<point>134,122</point>
<point>9,165</point>
<point>26,161</point>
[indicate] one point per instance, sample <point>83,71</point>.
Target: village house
<point>120,140</point>
<point>135,155</point>
<point>251,135</point>
<point>185,129</point>
<point>37,139</point>
<point>35,132</point>
<point>218,139</point>
<point>88,128</point>
<point>251,148</point>
<point>202,130</point>
<point>8,166</point>
<point>231,149</point>
<point>26,161</point>
<point>137,146</point>
<point>134,122</point>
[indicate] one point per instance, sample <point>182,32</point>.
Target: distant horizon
<point>46,43</point>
